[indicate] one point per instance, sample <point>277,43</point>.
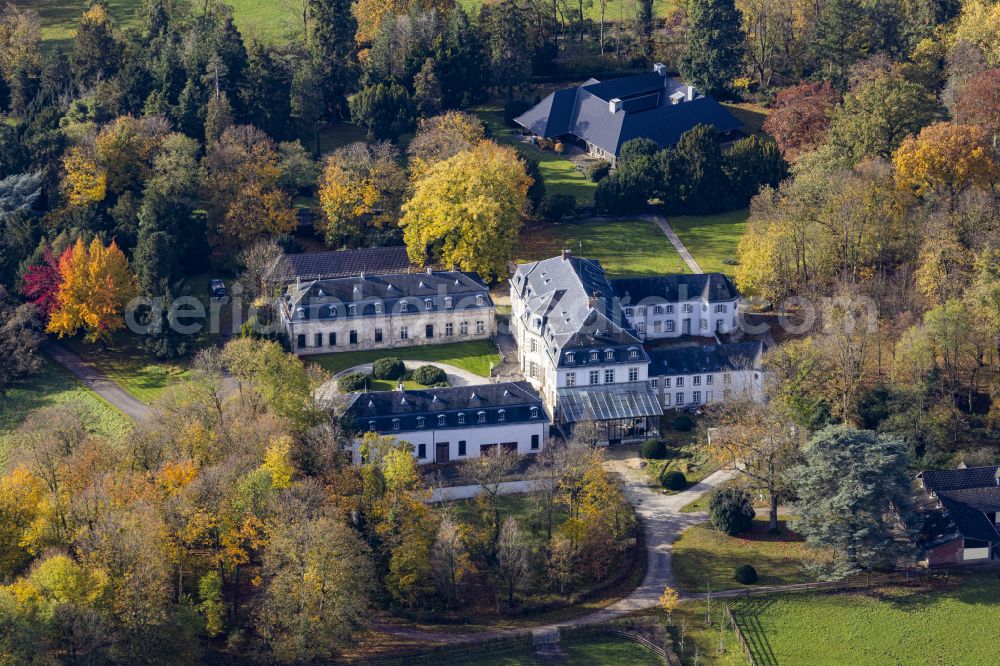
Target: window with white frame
<point>657,309</point>
<point>686,307</point>
<point>479,300</point>
<point>463,328</point>
<point>697,380</point>
<point>378,308</point>
<point>680,382</point>
<point>641,327</point>
<point>570,379</point>
<point>428,304</point>
<point>534,412</point>
<point>352,310</point>
<point>441,419</point>
<point>609,376</point>
<point>533,345</point>
<point>727,378</point>
<point>721,307</point>
<point>532,369</point>
<point>666,382</point>
<point>679,397</point>
<point>629,312</point>
<point>420,421</point>
<point>594,356</point>
<point>609,355</point>
<point>633,353</point>
<point>481,417</point>
<point>371,425</point>
<point>461,418</point>
<point>404,332</point>
<point>447,302</point>
<point>449,330</point>
<point>696,397</point>
<point>641,310</point>
<point>595,377</point>
<point>670,309</point>
<point>569,357</point>
<point>666,399</point>
<point>501,415</point>
<point>404,306</point>
<point>395,424</point>
<point>633,374</point>
<point>670,326</point>
<point>709,379</point>
<point>480,328</point>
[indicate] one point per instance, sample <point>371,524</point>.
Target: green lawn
<point>703,555</point>
<point>940,624</point>
<point>473,356</point>
<point>605,651</point>
<point>131,368</point>
<point>711,239</point>
<point>625,247</point>
<point>560,175</point>
<point>523,507</point>
<point>267,19</point>
<point>55,386</point>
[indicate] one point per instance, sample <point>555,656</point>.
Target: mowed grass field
<point>55,386</point>
<point>474,356</point>
<point>605,651</point>
<point>942,624</point>
<point>132,369</point>
<point>712,239</point>
<point>625,247</point>
<point>264,19</point>
<point>704,556</point>
<point>560,174</point>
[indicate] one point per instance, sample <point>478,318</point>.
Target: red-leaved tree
<point>41,282</point>
<point>978,103</point>
<point>801,117</point>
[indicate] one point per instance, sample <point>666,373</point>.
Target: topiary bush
<point>731,510</point>
<point>682,423</point>
<point>745,574</point>
<point>352,382</point>
<point>674,480</point>
<point>654,449</point>
<point>597,171</point>
<point>429,375</point>
<point>388,368</point>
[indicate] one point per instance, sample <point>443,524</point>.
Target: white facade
<point>653,319</point>
<point>434,445</point>
<point>679,391</point>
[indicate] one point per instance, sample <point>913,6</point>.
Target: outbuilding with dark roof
<point>960,511</point>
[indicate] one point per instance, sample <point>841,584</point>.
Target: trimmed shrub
<point>352,382</point>
<point>682,423</point>
<point>557,206</point>
<point>388,368</point>
<point>745,574</point>
<point>597,171</point>
<point>674,480</point>
<point>654,449</point>
<point>428,375</point>
<point>731,510</point>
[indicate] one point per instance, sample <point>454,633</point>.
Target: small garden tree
<point>389,367</point>
<point>731,510</point>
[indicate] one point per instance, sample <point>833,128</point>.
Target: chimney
<point>428,270</point>
<point>615,105</point>
<point>566,254</point>
<point>660,69</point>
<point>690,93</point>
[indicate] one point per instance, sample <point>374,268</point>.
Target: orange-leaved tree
<point>97,284</point>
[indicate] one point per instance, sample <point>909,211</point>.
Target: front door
<point>686,327</point>
<point>441,453</point>
<point>429,330</point>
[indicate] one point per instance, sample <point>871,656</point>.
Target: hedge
<point>388,368</point>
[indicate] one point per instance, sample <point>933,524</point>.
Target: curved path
<point>663,522</point>
<point>98,382</point>
<point>456,376</point>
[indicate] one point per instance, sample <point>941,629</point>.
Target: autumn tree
<point>800,117</point>
<point>978,103</point>
<point>361,191</point>
<point>241,187</point>
<point>467,210</point>
<point>512,557</point>
<point>21,329</point>
<point>488,471</point>
<point>318,580</point>
<point>945,159</point>
<point>441,137</point>
<point>97,284</point>
<point>451,564</point>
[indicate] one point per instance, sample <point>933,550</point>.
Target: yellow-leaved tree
<point>467,210</point>
<point>945,159</point>
<point>97,284</point>
<point>441,137</point>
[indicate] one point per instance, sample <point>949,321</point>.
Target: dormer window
<point>609,355</point>
<point>352,310</point>
<point>371,426</point>
<point>331,311</point>
<point>378,308</point>
<point>633,353</point>
<point>441,419</point>
<point>403,306</point>
<point>569,357</point>
<point>420,421</point>
<point>534,412</point>
<point>501,415</point>
<point>481,417</point>
<point>447,302</point>
<point>300,312</point>
<point>395,424</point>
<point>428,304</point>
<point>594,356</point>
<point>479,300</point>
<point>461,419</point>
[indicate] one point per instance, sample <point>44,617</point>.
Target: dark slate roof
<point>344,263</point>
<point>966,496</point>
<point>647,111</point>
<point>955,479</point>
<point>327,299</point>
<point>704,359</point>
<point>711,287</point>
<point>601,402</point>
<point>378,409</point>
